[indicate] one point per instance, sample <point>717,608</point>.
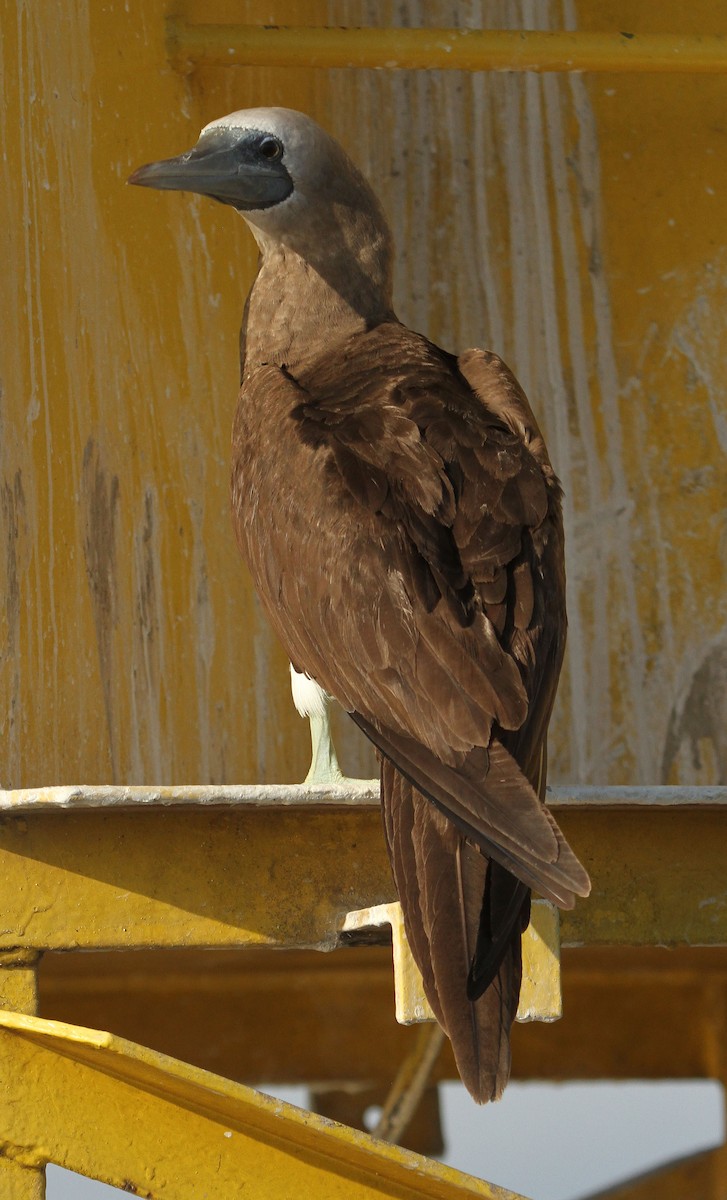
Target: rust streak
<point>100,498</point>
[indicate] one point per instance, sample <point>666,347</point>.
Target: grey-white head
<point>289,179</point>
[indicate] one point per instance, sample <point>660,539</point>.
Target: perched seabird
<point>402,522</point>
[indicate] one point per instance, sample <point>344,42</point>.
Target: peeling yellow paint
<point>572,223</point>
<point>131,648</point>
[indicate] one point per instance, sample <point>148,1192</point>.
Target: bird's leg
<point>324,767</point>
<point>312,702</point>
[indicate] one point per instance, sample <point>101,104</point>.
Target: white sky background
<point>546,1141</point>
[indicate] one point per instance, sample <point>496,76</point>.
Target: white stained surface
<point>546,1141</point>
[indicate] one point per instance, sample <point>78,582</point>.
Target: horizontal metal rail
<point>191,45</point>
<point>231,868</point>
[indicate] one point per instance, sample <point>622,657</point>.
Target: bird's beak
<point>219,166</point>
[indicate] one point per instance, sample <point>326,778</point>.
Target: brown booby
<point>402,523</point>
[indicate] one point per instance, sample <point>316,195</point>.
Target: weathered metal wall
<point>132,647</point>
<point>573,223</point>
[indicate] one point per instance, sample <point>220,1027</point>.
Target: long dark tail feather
<point>460,919</point>
<point>505,914</point>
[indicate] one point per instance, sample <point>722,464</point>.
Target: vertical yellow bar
<point>541,998</point>
<point>21,1183</point>
<point>19,981</point>
<point>19,991</point>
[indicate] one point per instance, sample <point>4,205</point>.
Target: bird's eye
<point>270,148</point>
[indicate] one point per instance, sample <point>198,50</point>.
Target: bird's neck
<point>294,312</point>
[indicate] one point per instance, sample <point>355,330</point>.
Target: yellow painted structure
<point>541,993</point>
<point>571,221</point>
<point>264,875</point>
<point>246,877</point>
<point>574,222</point>
<point>157,1127</point>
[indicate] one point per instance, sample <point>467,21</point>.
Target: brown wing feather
<point>537,626</point>
<point>496,784</point>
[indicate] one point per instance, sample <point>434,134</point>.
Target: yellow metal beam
<point>541,995</point>
<point>411,1004</point>
<point>158,1127</point>
<point>632,1013</point>
<point>20,1178</point>
<point>302,1016</point>
<point>191,877</point>
<point>190,45</point>
<point>358,793</point>
<point>286,876</point>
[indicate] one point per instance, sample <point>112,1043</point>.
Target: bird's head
<point>244,159</point>
<point>288,178</point>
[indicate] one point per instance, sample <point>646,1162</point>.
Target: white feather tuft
<point>309,699</point>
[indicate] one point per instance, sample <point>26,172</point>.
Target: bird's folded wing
<point>432,621</point>
<point>430,500</point>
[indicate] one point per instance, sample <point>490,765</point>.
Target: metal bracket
<point>540,994</point>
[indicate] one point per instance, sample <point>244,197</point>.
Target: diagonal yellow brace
<point>160,1128</point>
<point>540,994</point>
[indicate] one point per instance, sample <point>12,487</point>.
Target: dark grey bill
<point>241,168</point>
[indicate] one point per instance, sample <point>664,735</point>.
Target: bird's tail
<point>464,917</point>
